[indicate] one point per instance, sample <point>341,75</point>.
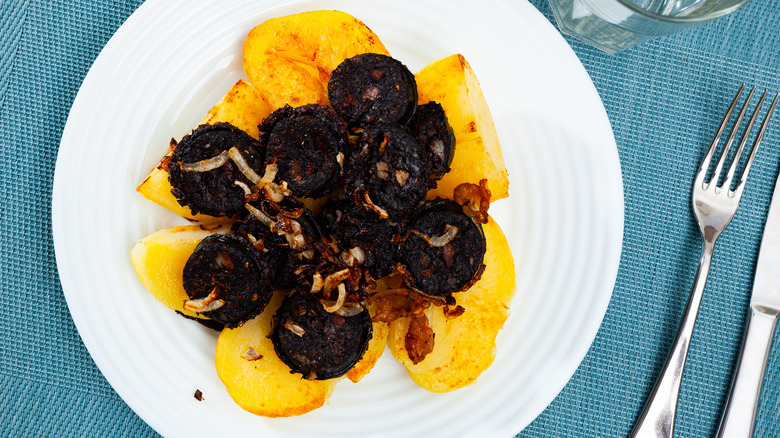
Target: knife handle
<point>740,413</point>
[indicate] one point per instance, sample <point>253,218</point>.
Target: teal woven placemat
<point>664,99</point>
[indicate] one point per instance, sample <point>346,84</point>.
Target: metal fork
<point>714,206</point>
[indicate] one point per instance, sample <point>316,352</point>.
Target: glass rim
<point>666,18</point>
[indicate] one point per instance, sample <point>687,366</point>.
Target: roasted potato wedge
<point>264,385</point>
<point>159,260</point>
<point>242,107</point>
<point>289,59</point>
<point>464,346</point>
<point>452,83</point>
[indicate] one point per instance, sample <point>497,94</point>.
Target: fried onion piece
<point>453,312</point>
<point>419,339</point>
<point>475,199</point>
<point>395,304</point>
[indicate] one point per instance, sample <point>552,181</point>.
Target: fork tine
<point>725,152</point>
<point>740,185</point>
<point>742,141</point>
<point>705,163</point>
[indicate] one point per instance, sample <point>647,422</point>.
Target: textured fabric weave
<point>664,99</point>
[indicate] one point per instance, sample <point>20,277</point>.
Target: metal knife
<point>740,413</point>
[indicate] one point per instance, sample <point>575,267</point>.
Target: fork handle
<point>657,419</point>
<point>742,404</point>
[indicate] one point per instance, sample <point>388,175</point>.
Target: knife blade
<point>766,285</point>
<point>739,414</point>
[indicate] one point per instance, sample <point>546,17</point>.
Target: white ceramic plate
<point>172,60</point>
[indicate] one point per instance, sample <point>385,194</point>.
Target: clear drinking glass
<point>615,25</point>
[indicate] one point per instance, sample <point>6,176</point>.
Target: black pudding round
<point>354,227</point>
<point>213,192</point>
<point>372,88</point>
<point>390,169</point>
<point>433,130</point>
<point>448,268</point>
<point>309,144</point>
<point>282,259</point>
<point>237,271</point>
<point>315,343</point>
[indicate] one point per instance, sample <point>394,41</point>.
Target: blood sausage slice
<point>227,280</point>
<point>202,174</point>
<point>309,144</point>
<point>318,344</point>
<point>444,250</point>
<point>372,88</point>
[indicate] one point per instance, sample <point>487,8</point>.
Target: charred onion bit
<point>433,131</point>
<point>388,172</point>
<point>286,240</point>
<point>453,312</point>
<point>305,143</point>
<point>202,173</point>
<point>419,340</point>
<point>315,343</point>
<point>372,88</point>
<point>436,260</point>
<point>364,238</point>
<point>225,268</point>
<point>399,303</point>
<point>475,200</point>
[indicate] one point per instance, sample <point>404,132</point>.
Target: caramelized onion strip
<point>243,166</point>
<point>206,165</point>
<point>438,241</point>
<point>330,308</point>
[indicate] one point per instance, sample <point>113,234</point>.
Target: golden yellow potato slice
<point>242,107</point>
<point>452,83</point>
<point>289,59</point>
<point>464,347</point>
<point>159,260</point>
<point>376,346</point>
<point>265,386</point>
<point>157,189</point>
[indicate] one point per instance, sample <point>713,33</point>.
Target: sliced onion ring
<point>243,166</point>
<point>262,217</point>
<point>244,187</point>
<point>334,279</point>
<point>438,241</point>
<point>359,255</point>
<point>206,165</point>
<point>276,192</point>
<point>268,176</point>
<point>349,310</point>
<point>370,204</point>
<point>316,283</point>
<point>339,301</point>
<point>205,304</point>
<point>295,328</point>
